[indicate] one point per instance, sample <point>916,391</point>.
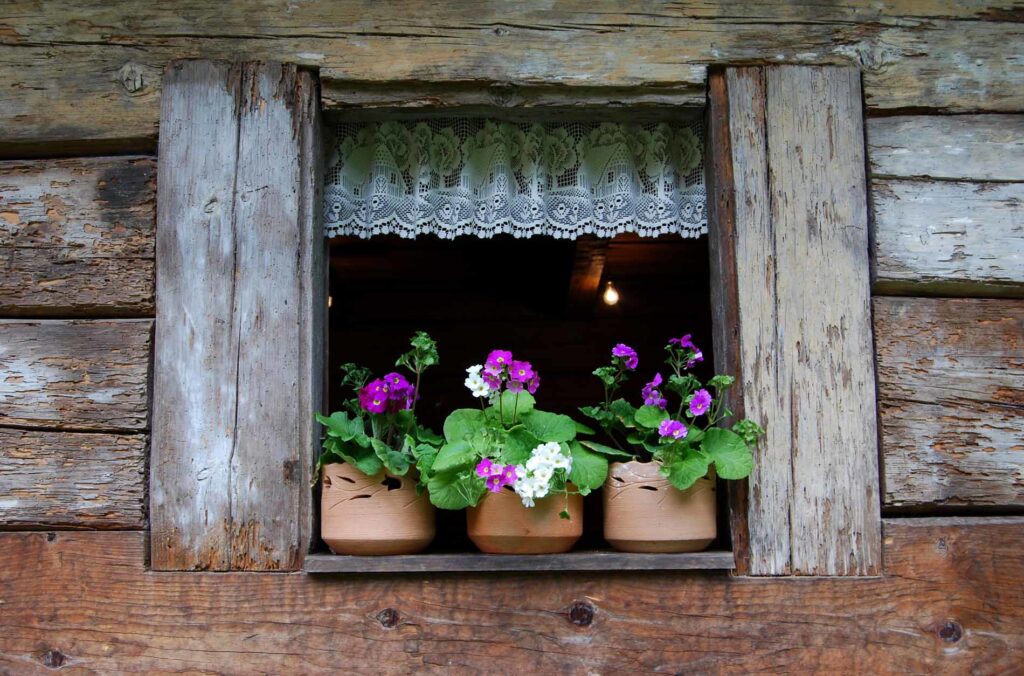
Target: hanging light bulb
<point>611,294</point>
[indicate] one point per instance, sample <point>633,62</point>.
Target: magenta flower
<point>697,357</point>
<point>515,386</point>
<point>684,342</point>
<point>627,354</point>
<point>400,392</point>
<point>494,483</point>
<point>520,371</point>
<point>493,380</point>
<point>533,383</point>
<point>373,397</point>
<point>700,402</point>
<point>509,475</point>
<point>498,361</point>
<point>485,468</point>
<point>672,429</point>
<point>652,395</point>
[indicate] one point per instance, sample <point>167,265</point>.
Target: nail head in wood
<point>388,618</point>
<point>951,631</point>
<point>581,613</point>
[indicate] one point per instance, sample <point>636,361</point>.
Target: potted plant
<point>519,470</point>
<point>375,462</point>
<point>661,498</point>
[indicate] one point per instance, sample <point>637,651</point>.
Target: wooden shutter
<point>239,305</point>
<point>789,241</point>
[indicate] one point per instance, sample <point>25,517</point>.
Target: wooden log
<point>75,375</point>
<point>946,237</point>
<point>76,237</point>
<point>71,480</point>
<point>958,147</point>
<point>951,401</point>
<point>100,66</point>
<point>950,602</point>
<point>239,320</point>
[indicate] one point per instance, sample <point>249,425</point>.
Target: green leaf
<point>396,462</point>
<point>518,445</point>
<point>682,385</point>
<point>749,430</point>
<point>455,455</point>
<point>364,459</point>
<point>550,426</point>
<point>583,429</point>
<point>623,411</point>
<point>429,436</point>
<point>463,423</point>
<point>650,416</point>
<point>455,490</point>
<point>606,374</point>
<point>515,403</point>
<point>721,383</point>
<point>684,471</point>
<point>564,514</point>
<point>605,450</point>
<point>729,452</point>
<point>425,454</point>
<point>589,469</point>
<point>341,426</point>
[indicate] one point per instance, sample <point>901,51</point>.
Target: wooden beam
<point>71,480</point>
<point>951,401</point>
<point>76,237</point>
<point>239,317</point>
<point>950,602</point>
<point>75,375</point>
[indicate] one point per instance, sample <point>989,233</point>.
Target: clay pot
<point>500,524</point>
<point>373,515</point>
<point>643,512</point>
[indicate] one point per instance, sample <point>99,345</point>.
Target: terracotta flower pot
<point>370,516</point>
<point>643,512</point>
<point>500,524</point>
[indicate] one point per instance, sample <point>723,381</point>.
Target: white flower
<point>475,370</point>
<point>476,383</point>
<point>543,474</point>
<point>562,462</point>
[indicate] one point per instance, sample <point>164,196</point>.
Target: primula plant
<point>378,428</point>
<point>685,439</point>
<point>508,442</point>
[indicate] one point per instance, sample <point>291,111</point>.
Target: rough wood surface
<point>75,375</point>
<point>76,237</point>
<point>951,602</point>
<point>959,147</point>
<point>237,318</point>
<point>72,72</point>
<point>951,401</point>
<point>948,237</point>
<point>71,480</point>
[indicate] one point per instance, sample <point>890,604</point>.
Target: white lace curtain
<point>469,176</point>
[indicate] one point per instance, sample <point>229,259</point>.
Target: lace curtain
<point>468,176</point>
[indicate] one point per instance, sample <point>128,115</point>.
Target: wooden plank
<point>950,602</point>
<point>71,480</point>
<point>238,324</point>
<point>76,237</point>
<point>464,563</point>
<point>951,401</point>
<point>957,147</point>
<point>946,237</point>
<point>74,72</point>
<point>75,375</point>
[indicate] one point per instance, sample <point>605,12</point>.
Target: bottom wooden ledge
<point>461,563</point>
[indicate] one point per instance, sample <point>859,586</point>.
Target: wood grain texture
<point>73,72</point>
<point>957,147</point>
<point>76,237</point>
<point>950,602</point>
<point>75,375</point>
<point>71,480</point>
<point>948,237</point>
<point>951,401</point>
<point>237,319</point>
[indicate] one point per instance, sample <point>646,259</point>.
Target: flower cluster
<point>672,429</point>
<point>652,393</point>
<point>700,402</point>
<point>389,394</point>
<point>625,355</point>
<point>686,343</point>
<point>501,370</point>
<point>497,475</point>
<point>534,479</point>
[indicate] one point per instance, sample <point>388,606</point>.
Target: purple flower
<point>400,392</point>
<point>485,468</point>
<point>533,383</point>
<point>697,356</point>
<point>515,386</point>
<point>494,483</point>
<point>684,342</point>
<point>492,380</point>
<point>509,475</point>
<point>672,428</point>
<point>498,361</point>
<point>373,396</point>
<point>700,402</point>
<point>652,395</point>
<point>626,353</point>
<point>520,371</point>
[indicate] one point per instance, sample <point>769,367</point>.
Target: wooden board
<point>75,73</point>
<point>950,602</point>
<point>238,316</point>
<point>75,375</point>
<point>76,237</point>
<point>71,480</point>
<point>951,401</point>
<point>948,237</point>
<point>957,147</point>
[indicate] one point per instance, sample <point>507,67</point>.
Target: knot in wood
<point>131,77</point>
<point>388,618</point>
<point>951,632</point>
<point>53,659</point>
<point>50,537</point>
<point>581,613</point>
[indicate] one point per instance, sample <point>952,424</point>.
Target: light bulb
<point>611,294</point>
<point>330,301</point>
